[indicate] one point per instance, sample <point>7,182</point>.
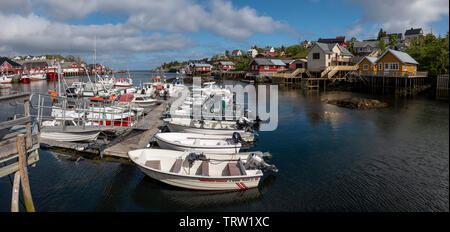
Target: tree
<point>381,45</point>
<point>381,34</point>
<point>392,41</point>
<point>227,53</point>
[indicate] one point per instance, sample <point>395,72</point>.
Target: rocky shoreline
<point>358,103</point>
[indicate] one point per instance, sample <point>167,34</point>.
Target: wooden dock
<point>130,138</point>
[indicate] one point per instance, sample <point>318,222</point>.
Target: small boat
<point>199,142</point>
<point>202,171</point>
<point>53,130</point>
<point>37,77</point>
<point>123,82</point>
<point>144,101</point>
<point>210,127</point>
<point>6,79</point>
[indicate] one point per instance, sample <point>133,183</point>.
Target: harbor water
<point>329,159</point>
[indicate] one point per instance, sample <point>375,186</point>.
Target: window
<point>404,67</point>
<point>266,67</point>
<point>365,66</point>
<point>380,66</point>
<point>386,66</point>
<point>393,66</point>
<point>316,56</point>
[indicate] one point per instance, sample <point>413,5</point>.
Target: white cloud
<point>399,15</point>
<point>25,34</point>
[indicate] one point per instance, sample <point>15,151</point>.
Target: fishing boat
<point>198,142</point>
<point>52,72</point>
<point>202,171</point>
<point>25,78</point>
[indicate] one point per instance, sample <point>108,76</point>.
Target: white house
<point>252,52</point>
<point>269,49</point>
<point>236,52</point>
<point>322,55</point>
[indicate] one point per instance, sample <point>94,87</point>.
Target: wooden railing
<point>393,73</point>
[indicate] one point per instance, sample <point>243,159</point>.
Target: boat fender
<point>237,137</point>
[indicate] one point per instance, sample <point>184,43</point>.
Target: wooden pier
<point>18,150</point>
<point>129,138</point>
<point>442,87</point>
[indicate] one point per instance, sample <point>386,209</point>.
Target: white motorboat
<point>123,82</point>
<point>214,144</point>
<point>53,130</point>
<point>144,101</point>
<point>202,171</point>
<point>210,127</point>
<point>37,76</point>
<point>6,79</point>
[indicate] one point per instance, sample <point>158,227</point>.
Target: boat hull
<point>249,137</point>
<point>170,145</point>
<point>70,136</point>
<point>203,183</point>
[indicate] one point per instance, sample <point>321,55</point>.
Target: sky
<point>143,34</point>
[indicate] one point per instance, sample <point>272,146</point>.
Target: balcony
<point>393,73</point>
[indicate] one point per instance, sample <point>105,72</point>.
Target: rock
<point>358,103</point>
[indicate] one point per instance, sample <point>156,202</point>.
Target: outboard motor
<point>256,162</point>
<point>193,157</point>
<point>237,137</point>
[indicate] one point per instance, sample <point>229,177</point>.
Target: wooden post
<point>15,193</point>
<point>28,125</point>
<point>26,191</point>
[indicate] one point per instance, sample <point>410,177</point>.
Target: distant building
<point>236,53</point>
<point>306,44</point>
<point>98,67</point>
<point>38,66</point>
<point>269,49</point>
<point>7,65</point>
<point>398,36</point>
<point>252,52</point>
<point>339,40</point>
<point>225,65</point>
<point>68,67</point>
<point>201,67</point>
<point>260,65</point>
<point>413,33</point>
<point>365,47</point>
<point>289,64</point>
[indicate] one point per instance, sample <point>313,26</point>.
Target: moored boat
<point>202,171</point>
<point>198,143</point>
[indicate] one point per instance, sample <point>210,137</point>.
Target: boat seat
<point>234,169</point>
<point>205,168</point>
<point>176,166</point>
<point>155,164</point>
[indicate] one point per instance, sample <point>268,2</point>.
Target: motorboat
<point>189,170</point>
<point>52,130</point>
<point>6,79</point>
<point>123,82</point>
<point>214,144</point>
<point>211,127</point>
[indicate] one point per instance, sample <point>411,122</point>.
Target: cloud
<point>217,16</point>
<point>399,15</point>
<point>22,34</point>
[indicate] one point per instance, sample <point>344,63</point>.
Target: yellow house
<point>367,65</point>
<point>393,62</point>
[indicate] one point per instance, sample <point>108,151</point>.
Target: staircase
<point>338,68</point>
<point>290,75</point>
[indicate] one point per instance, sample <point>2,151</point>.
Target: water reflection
<point>150,193</point>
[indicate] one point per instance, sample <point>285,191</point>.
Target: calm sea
<point>329,159</point>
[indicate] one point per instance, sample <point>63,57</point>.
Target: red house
<point>289,64</point>
<point>7,65</point>
<point>98,67</point>
<point>266,65</point>
<point>199,67</point>
<point>225,65</point>
<point>35,66</point>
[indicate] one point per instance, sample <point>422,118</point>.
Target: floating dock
<point>130,138</point>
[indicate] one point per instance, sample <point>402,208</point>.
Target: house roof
<point>288,61</point>
<point>276,62</point>
<point>226,63</point>
<point>402,56</point>
<point>362,44</point>
<point>35,64</point>
<point>12,63</point>
<point>339,39</point>
<point>235,51</point>
<point>372,60</point>
<point>413,31</point>
<point>202,65</point>
<point>328,48</point>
